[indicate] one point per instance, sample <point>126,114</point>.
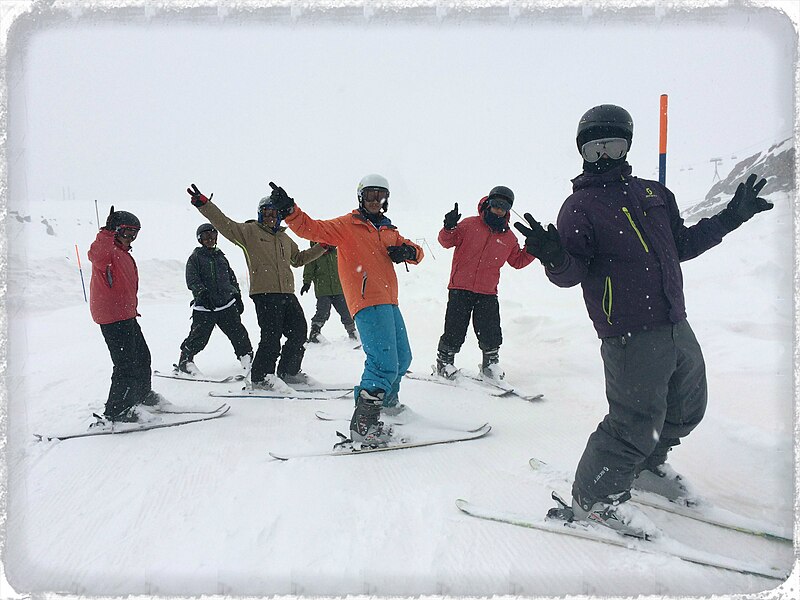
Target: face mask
<point>495,223</point>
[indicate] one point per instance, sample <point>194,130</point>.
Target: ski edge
<point>721,562</point>
<point>676,509</point>
<point>40,437</point>
<point>464,438</point>
<point>327,417</point>
<point>229,379</point>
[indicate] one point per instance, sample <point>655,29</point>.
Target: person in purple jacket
<point>623,239</point>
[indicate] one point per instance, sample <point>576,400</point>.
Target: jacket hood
<point>587,180</point>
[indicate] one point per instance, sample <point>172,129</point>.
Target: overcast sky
<point>117,110</point>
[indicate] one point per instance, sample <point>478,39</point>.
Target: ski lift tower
<point>717,162</point>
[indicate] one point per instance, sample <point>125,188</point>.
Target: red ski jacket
<point>479,254</point>
<point>115,281</point>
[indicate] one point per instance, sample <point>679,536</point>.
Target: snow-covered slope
<point>202,509</point>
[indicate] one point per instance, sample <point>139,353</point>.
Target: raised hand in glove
<point>239,304</point>
<point>402,253</point>
<point>110,220</point>
<point>451,218</point>
<point>198,199</point>
<point>305,288</point>
<point>281,201</point>
<point>745,203</point>
<point>544,244</point>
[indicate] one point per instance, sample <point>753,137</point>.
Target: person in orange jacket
<point>368,245</point>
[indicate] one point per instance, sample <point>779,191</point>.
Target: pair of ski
<point>662,545</point>
<point>317,391</point>
<point>466,380</point>
<point>171,415</point>
<point>429,433</point>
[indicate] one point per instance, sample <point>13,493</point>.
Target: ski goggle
<point>501,203</point>
<point>374,194</point>
<point>208,235</point>
<point>129,233</point>
<point>614,148</point>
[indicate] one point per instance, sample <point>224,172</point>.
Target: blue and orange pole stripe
<point>662,142</point>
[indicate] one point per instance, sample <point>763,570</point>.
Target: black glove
<point>109,226</point>
<point>203,298</point>
<point>239,303</point>
<point>305,288</point>
<point>281,201</point>
<point>198,199</point>
<point>451,218</point>
<point>402,253</point>
<point>544,244</point>
<point>744,204</point>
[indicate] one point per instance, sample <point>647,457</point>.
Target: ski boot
<point>299,378</point>
<point>313,335</point>
<point>365,428</point>
<point>155,400</point>
<point>664,481</point>
<point>247,362</point>
<point>490,367</point>
<point>445,357</point>
<point>615,513</point>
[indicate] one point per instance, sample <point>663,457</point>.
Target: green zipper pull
<point>636,229</point>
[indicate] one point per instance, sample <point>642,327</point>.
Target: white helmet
<point>372,180</point>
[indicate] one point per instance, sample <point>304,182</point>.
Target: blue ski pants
<point>385,341</point>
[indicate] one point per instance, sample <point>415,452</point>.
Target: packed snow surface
<point>203,509</point>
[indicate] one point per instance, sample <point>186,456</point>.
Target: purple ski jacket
<point>625,241</point>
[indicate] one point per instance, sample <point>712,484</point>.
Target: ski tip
<point>536,463</point>
<point>462,505</point>
<point>279,457</point>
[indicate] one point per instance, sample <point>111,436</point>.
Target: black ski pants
<point>279,315</point>
<point>203,322</point>
<point>323,313</point>
<point>657,394</point>
<point>130,379</point>
<point>484,309</point>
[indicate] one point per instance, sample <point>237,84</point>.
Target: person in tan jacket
<point>270,253</point>
<point>368,245</point>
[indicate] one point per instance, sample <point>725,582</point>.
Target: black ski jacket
<point>209,274</point>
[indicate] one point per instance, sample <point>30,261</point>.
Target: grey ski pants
<point>657,393</point>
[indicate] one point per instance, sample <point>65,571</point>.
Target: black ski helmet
<point>501,191</point>
<point>606,120</point>
<point>203,228</point>
<point>121,218</point>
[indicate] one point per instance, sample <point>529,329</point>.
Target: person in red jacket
<point>483,244</point>
<point>113,303</point>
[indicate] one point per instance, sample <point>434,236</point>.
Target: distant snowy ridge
<point>775,164</point>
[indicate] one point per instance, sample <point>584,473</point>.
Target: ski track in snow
<point>203,509</point>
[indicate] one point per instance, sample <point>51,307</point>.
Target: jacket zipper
<point>636,229</point>
<point>608,298</point>
<point>363,284</point>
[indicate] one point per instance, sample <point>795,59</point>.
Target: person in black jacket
<point>217,301</point>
